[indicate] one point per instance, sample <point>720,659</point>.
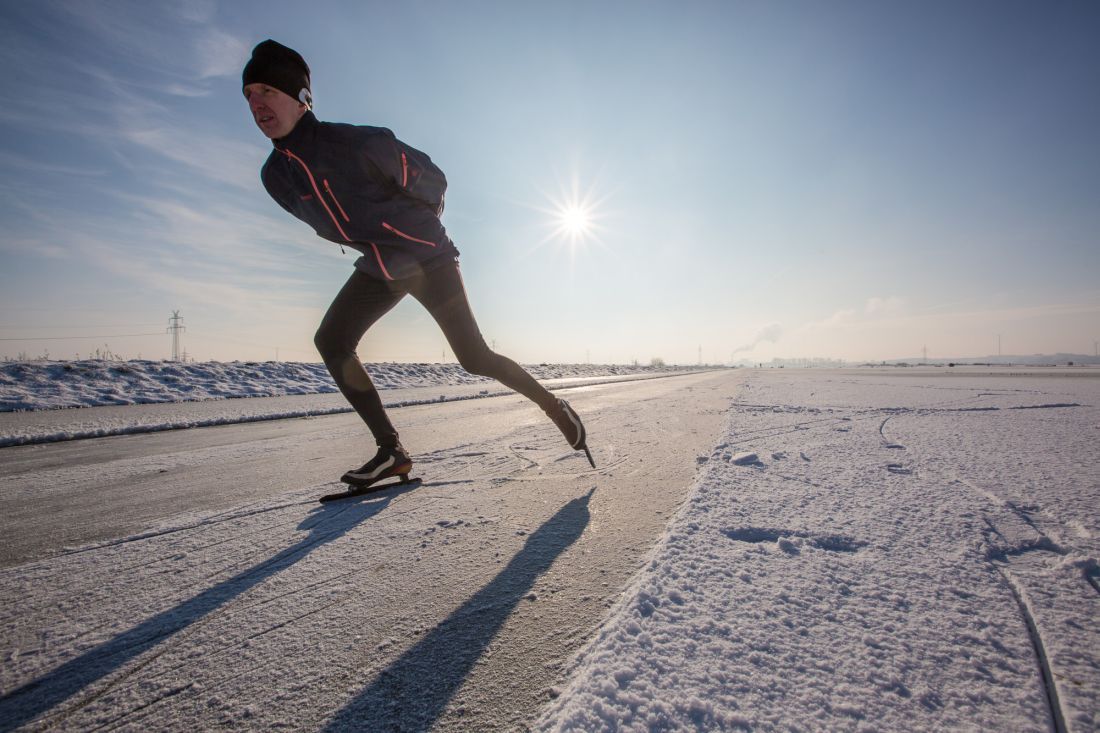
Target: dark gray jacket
<point>361,187</point>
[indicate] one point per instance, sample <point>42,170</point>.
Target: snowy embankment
<point>174,396</point>
<point>871,552</point>
<point>47,385</point>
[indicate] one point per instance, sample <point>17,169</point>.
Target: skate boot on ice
<point>390,461</point>
<point>570,425</point>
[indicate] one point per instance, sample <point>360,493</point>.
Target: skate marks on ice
<point>233,619</point>
<point>1039,572</point>
<point>937,606</point>
<point>791,542</point>
<point>231,629</point>
<point>104,668</point>
<point>413,691</point>
<point>1031,551</point>
<point>1011,534</point>
<point>537,457</point>
<point>1024,546</point>
<point>896,468</point>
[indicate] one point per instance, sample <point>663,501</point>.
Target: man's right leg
<point>361,302</point>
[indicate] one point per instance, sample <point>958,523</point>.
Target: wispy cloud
<point>219,54</point>
<point>197,11</point>
<point>231,286</point>
<point>214,250</point>
<point>149,34</point>
<point>874,308</point>
<point>894,312</point>
<point>768,334</point>
<point>184,90</point>
<point>90,90</point>
<point>222,231</point>
<point>220,159</point>
<point>887,328</point>
<point>17,161</point>
<point>878,306</point>
<point>173,211</point>
<point>1010,314</point>
<point>839,318</point>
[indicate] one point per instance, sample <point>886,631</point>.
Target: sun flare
<point>575,217</point>
<point>574,220</point>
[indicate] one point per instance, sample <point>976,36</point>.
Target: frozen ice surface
<point>908,551</point>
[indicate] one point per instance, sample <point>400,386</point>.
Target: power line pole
<point>174,328</point>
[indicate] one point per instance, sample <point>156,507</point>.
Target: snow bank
<point>58,384</point>
<point>303,393</point>
<point>923,564</point>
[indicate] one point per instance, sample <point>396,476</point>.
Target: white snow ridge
<point>934,572</point>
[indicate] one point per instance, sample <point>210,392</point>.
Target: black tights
<point>363,300</point>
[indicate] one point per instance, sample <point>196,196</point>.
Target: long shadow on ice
<point>413,691</point>
<point>26,703</point>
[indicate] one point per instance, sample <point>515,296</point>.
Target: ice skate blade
<point>404,482</point>
<point>589,454</point>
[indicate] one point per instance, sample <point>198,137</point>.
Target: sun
<point>576,216</point>
<point>574,220</point>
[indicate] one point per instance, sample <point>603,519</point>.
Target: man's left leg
<point>443,294</point>
<point>360,303</point>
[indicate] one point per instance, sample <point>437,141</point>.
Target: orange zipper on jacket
<point>378,258</point>
<point>316,190</point>
<point>335,200</point>
<point>406,236</point>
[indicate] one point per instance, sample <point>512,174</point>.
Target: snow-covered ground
<point>862,550</point>
<point>46,385</point>
<point>124,398</point>
<point>870,552</point>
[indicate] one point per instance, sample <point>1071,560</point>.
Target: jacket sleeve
<point>404,168</point>
<point>274,190</point>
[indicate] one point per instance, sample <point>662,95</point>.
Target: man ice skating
<point>363,188</point>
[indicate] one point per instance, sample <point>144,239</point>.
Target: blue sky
<point>852,180</point>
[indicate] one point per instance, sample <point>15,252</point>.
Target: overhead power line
<point>9,327</point>
<point>66,338</point>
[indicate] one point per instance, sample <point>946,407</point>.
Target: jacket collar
<point>301,132</point>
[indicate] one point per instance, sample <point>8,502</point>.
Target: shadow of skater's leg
<point>37,699</point>
<point>413,692</point>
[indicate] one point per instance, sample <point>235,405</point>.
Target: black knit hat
<point>274,64</point>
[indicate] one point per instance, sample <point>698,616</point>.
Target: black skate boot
<point>390,461</point>
<point>570,425</point>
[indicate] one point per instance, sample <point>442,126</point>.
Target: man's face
<point>275,112</point>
